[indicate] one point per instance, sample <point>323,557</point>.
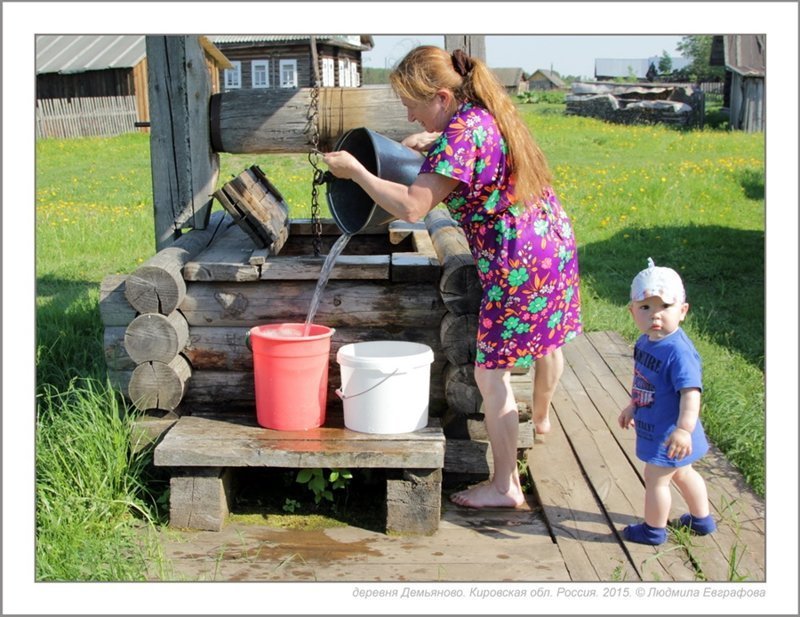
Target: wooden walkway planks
<point>605,470</point>
<point>470,545</point>
<point>588,486</point>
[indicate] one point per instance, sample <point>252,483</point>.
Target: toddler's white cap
<point>657,281</point>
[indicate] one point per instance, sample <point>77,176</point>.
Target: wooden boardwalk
<point>588,485</point>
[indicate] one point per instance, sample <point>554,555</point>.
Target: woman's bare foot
<point>542,427</point>
<point>486,495</point>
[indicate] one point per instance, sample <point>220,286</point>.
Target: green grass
<point>692,200</point>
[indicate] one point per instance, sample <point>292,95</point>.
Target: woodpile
<point>672,104</point>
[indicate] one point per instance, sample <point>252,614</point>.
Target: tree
<point>664,64</point>
<point>697,47</point>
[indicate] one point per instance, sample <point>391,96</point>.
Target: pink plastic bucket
<point>291,375</point>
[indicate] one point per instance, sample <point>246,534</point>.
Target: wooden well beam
<point>276,120</point>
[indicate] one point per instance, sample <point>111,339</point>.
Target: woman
<point>483,163</point>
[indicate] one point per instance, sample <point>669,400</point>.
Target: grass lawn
<point>691,200</point>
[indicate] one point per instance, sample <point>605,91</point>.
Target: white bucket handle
<point>342,395</point>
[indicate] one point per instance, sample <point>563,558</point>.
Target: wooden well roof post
<point>184,167</point>
<point>474,45</point>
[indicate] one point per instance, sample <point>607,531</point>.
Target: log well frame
<point>194,285</point>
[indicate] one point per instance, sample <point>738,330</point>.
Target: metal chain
<point>319,176</point>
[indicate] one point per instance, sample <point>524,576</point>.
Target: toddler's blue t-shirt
<point>661,369</point>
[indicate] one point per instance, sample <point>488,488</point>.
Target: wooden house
<point>744,58</point>
<point>542,79</point>
<point>80,78</point>
<point>513,80</point>
<point>286,61</point>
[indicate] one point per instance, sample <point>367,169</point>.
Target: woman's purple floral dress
<point>526,257</point>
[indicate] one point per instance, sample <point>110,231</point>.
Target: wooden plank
<point>737,548</point>
<point>308,268</point>
<point>240,442</point>
<point>492,547</point>
<point>228,258</point>
<point>184,168</point>
<point>344,303</point>
<point>588,542</point>
<point>613,479</point>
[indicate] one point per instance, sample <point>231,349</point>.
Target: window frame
<point>229,75</point>
<point>292,66</point>
<point>254,66</point>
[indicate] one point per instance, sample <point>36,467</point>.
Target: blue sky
<point>567,54</point>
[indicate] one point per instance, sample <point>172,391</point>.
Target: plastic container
<point>353,210</point>
<point>385,386</point>
<point>291,375</point>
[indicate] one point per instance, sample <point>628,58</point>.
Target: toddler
<point>665,407</point>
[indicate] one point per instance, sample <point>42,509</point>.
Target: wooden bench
<point>201,451</point>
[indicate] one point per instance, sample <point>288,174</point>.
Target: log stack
<point>382,288</point>
<point>468,449</point>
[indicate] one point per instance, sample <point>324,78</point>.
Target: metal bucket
<point>353,210</point>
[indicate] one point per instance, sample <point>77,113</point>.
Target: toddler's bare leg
<point>693,490</point>
<point>657,497</point>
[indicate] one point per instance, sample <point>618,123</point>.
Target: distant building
<point>513,80</point>
<point>90,73</point>
<point>542,79</point>
<point>743,56</point>
<point>614,68</point>
<point>286,61</point>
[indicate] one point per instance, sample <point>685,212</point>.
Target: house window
<point>354,80</point>
<point>260,77</point>
<point>328,73</point>
<point>233,77</point>
<point>288,73</point>
<point>344,73</point>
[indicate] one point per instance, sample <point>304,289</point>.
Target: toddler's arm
<point>679,443</point>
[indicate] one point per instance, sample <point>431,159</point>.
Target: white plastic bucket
<point>385,386</point>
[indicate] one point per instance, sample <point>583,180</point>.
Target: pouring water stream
<point>324,275</point>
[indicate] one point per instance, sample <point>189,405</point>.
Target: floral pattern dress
<point>525,251</point>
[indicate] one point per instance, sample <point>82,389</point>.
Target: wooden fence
<point>85,117</point>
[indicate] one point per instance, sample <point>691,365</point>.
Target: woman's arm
<point>421,141</point>
<point>408,203</point>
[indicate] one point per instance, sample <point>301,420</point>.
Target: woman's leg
<point>502,424</point>
<point>693,490</point>
<point>546,374</point>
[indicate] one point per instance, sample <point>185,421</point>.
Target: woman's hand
<point>342,164</point>
<point>421,142</point>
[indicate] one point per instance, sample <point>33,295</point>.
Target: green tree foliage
<point>664,64</point>
<point>698,48</point>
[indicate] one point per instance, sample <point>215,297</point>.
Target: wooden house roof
<point>509,76</point>
<point>360,42</point>
<point>741,53</point>
<point>550,76</point>
<point>79,53</point>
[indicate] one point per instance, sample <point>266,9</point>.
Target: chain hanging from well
<point>313,158</point>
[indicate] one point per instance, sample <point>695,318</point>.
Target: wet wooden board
<point>237,441</point>
<point>470,545</point>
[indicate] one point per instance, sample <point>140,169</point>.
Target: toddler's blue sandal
<point>700,526</point>
<point>645,534</point>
